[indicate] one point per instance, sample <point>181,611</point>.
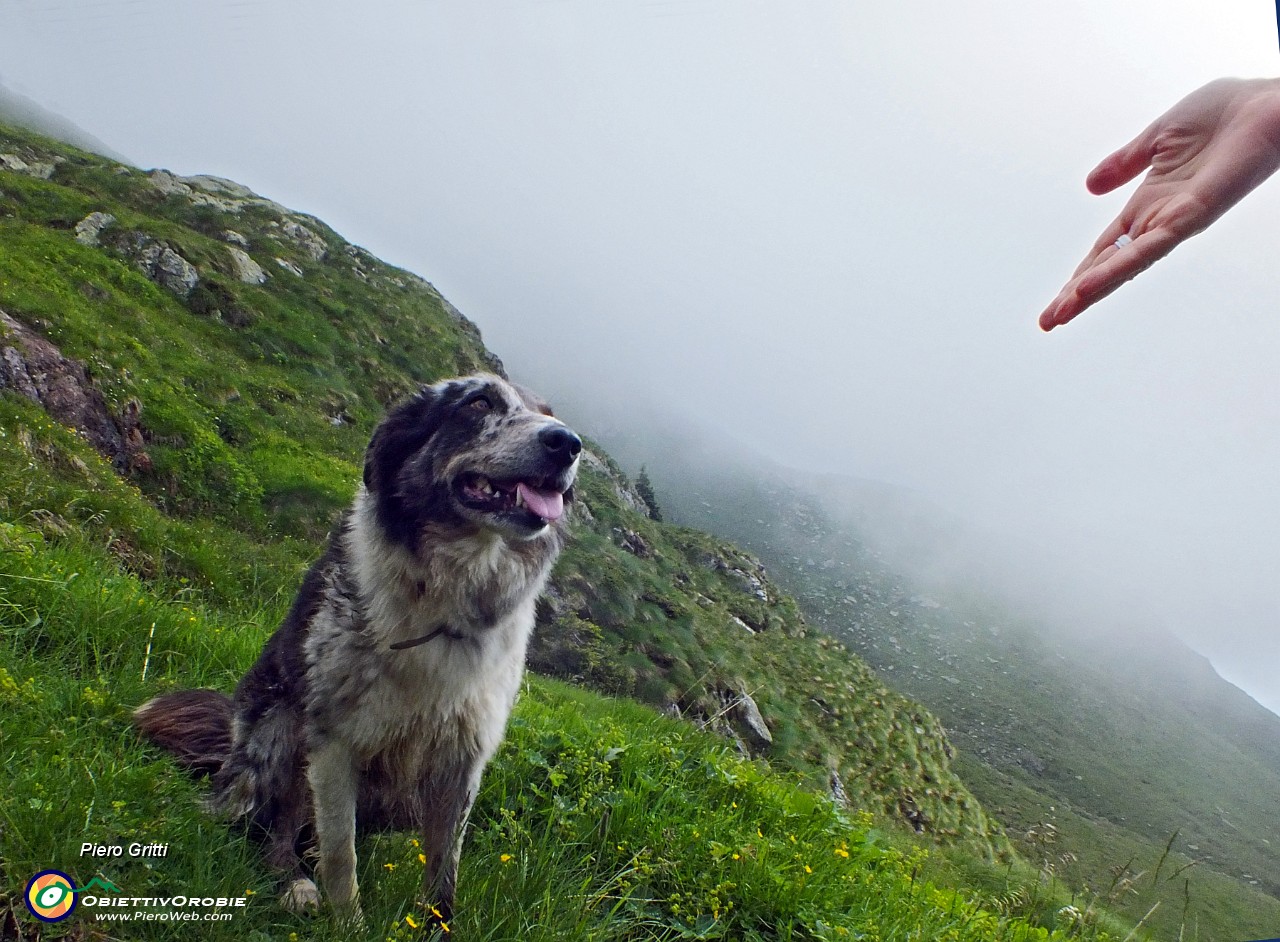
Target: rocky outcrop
<point>33,367</point>
<point>836,787</point>
<point>632,542</point>
<point>625,492</point>
<point>747,582</point>
<point>226,196</point>
<point>89,229</point>
<point>746,718</point>
<point>307,240</point>
<point>160,262</point>
<point>32,167</point>
<point>245,268</point>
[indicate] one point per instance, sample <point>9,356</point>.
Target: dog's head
<point>475,450</point>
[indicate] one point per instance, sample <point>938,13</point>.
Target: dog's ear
<point>405,429</point>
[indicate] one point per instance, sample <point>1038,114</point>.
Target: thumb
<point>1125,164</point>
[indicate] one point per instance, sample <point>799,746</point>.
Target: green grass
<point>598,820</point>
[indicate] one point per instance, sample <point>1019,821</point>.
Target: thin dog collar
<point>442,630</point>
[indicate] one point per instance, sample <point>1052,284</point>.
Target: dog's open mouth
<point>539,499</point>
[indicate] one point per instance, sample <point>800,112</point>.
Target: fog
<point>825,228</point>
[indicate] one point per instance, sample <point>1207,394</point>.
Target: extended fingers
<point>1122,225</point>
<point>1111,267</point>
<point>1121,264</point>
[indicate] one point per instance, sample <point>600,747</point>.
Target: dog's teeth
<point>519,498</point>
<point>483,485</point>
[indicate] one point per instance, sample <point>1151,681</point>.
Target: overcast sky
<point>830,226</point>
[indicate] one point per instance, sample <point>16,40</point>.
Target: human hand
<point>1205,153</point>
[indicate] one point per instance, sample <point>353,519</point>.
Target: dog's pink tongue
<point>547,504</point>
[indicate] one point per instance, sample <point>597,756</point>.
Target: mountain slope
<point>1124,741</point>
<point>190,373</point>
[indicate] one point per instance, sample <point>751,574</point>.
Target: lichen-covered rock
<point>289,266</point>
<point>747,582</point>
<point>632,542</point>
<point>161,263</point>
<point>307,240</point>
<point>40,169</point>
<point>245,268</point>
<point>747,719</point>
<point>89,229</point>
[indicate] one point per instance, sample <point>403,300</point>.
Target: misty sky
<point>827,226</point>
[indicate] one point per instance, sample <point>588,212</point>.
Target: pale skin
<point>1205,154</point>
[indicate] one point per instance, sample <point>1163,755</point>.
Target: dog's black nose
<point>561,444</point>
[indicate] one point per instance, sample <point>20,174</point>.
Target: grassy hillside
<point>191,373</point>
<point>599,820</point>
<point>1103,757</point>
<point>253,403</point>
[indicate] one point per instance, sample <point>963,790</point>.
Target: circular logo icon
<point>51,896</point>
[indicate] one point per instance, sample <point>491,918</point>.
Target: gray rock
<point>90,227</point>
<point>203,190</point>
<point>289,266</point>
<point>838,794</point>
<point>168,184</point>
<point>167,268</point>
<point>310,243</point>
<point>747,719</point>
<point>220,185</point>
<point>245,268</point>
<point>235,238</point>
<point>632,542</point>
<point>40,169</point>
<point>747,582</point>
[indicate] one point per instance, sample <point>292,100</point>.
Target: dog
<point>387,688</point>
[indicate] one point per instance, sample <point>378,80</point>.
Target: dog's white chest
<point>449,696</point>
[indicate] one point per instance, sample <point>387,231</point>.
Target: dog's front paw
<point>300,896</point>
<point>350,918</point>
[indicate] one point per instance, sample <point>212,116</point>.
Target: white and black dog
<point>385,692</point>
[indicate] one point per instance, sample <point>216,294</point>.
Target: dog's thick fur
<point>382,696</point>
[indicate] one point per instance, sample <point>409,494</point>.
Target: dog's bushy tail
<point>195,725</point>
